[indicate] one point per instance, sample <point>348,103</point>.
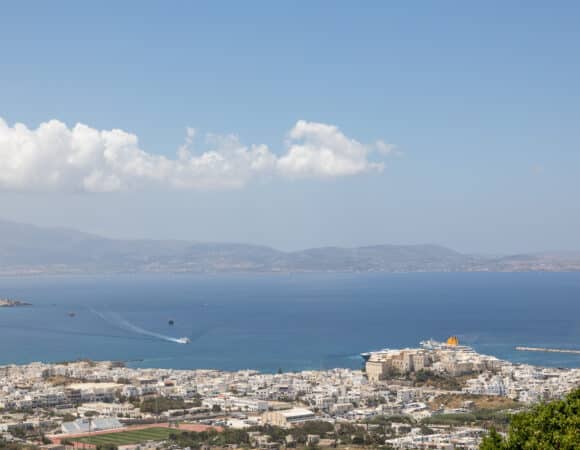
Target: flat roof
<point>296,412</point>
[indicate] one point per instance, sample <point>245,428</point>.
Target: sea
<point>288,322</point>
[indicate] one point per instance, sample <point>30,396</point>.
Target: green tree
<point>493,441</point>
<point>19,432</point>
<point>161,404</point>
<point>216,408</point>
<point>553,425</point>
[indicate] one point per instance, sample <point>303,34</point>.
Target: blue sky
<point>480,100</point>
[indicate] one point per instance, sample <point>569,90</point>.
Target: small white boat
<point>183,340</point>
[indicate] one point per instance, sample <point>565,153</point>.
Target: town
<point>441,395</point>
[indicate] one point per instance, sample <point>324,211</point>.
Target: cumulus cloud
<point>321,150</point>
<point>56,157</point>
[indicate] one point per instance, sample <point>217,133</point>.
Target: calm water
<point>291,322</point>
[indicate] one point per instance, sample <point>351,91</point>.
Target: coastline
<point>10,303</point>
<point>334,317</point>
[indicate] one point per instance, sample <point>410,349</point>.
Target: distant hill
<point>31,249</point>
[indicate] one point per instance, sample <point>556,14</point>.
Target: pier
<point>544,349</point>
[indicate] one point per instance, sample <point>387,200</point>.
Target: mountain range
<point>28,249</point>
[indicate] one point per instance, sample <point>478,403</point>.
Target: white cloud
<point>385,149</point>
<point>321,150</point>
<point>81,158</point>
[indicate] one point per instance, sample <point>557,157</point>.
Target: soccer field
<point>129,437</point>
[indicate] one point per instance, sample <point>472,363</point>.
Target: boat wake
<point>71,332</point>
<point>118,321</point>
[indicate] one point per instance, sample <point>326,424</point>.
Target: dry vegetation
<point>479,402</point>
<point>59,380</point>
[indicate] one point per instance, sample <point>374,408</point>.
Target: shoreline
<point>10,303</point>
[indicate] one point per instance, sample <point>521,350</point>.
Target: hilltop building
<point>450,358</point>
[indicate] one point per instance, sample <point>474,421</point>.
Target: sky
<point>295,124</point>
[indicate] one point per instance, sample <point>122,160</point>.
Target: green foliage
<point>450,419</point>
<point>427,377</point>
<point>391,372</point>
<point>495,417</point>
<point>216,408</point>
<point>212,437</point>
<point>347,433</point>
<point>69,417</point>
<point>425,430</point>
<point>277,434</point>
<point>127,437</point>
<point>318,427</point>
<point>423,375</point>
<point>493,441</point>
<point>19,432</point>
<point>161,404</point>
<point>554,425</point>
<point>405,429</point>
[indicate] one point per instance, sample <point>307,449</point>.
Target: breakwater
<point>544,349</point>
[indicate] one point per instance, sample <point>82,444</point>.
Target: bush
<point>161,404</point>
<point>318,427</point>
<point>429,378</point>
<point>450,419</point>
<point>553,425</point>
<point>194,440</point>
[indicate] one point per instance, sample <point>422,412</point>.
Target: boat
<point>367,355</point>
<point>452,343</point>
<point>183,340</point>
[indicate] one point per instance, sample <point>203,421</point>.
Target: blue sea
<point>291,322</point>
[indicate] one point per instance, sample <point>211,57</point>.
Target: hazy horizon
<point>441,123</point>
<point>298,249</point>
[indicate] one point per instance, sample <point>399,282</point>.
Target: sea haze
<point>292,322</point>
<point>27,249</point>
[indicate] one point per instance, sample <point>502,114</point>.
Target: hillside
<point>31,249</point>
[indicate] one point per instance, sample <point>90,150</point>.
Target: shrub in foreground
<point>554,425</point>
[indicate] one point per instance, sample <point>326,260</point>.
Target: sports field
<point>129,437</point>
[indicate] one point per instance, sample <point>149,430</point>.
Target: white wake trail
<point>116,319</point>
<point>132,327</point>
